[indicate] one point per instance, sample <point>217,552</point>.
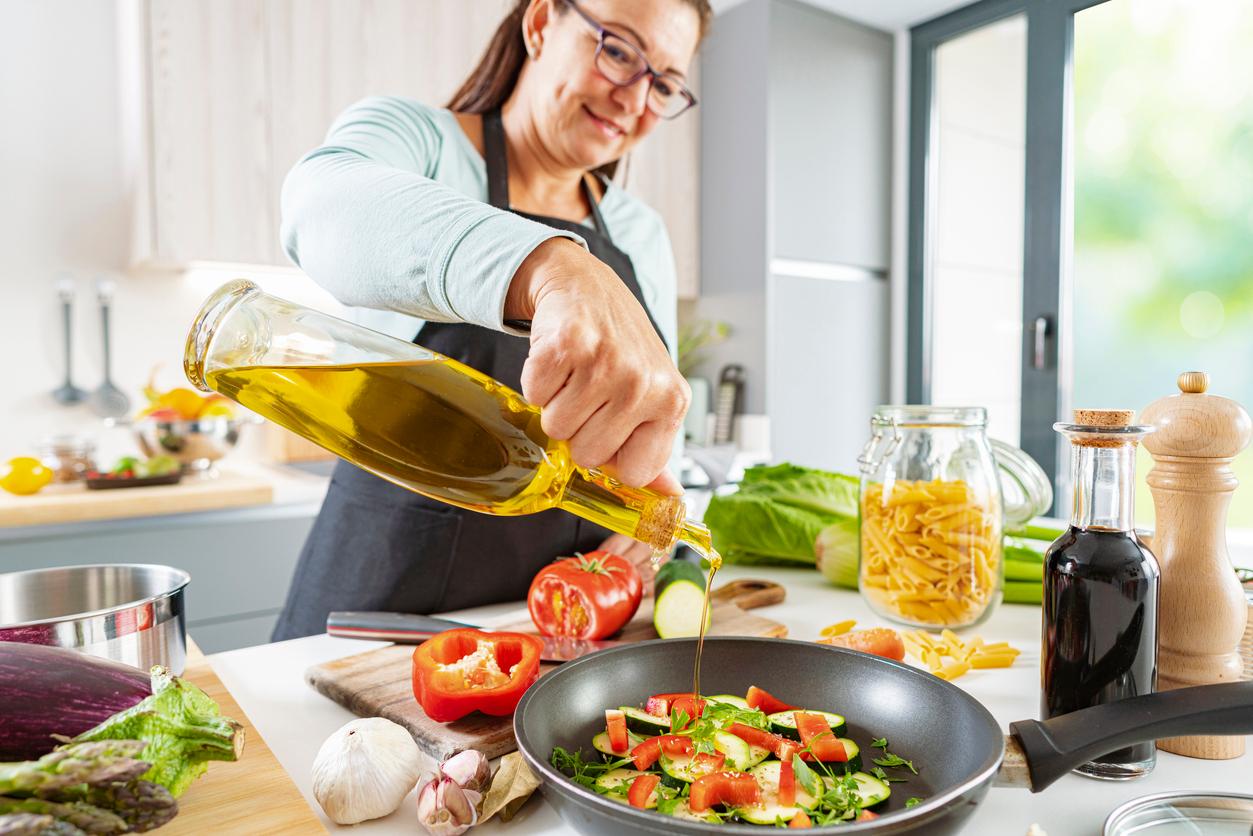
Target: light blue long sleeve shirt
<point>390,215</point>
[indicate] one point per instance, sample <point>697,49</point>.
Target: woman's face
<point>584,119</point>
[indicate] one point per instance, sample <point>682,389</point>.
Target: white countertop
<point>269,684</point>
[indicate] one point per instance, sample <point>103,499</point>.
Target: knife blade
<point>407,628</point>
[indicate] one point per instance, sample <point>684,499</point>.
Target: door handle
<point>1040,329</point>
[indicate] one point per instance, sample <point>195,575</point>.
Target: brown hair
<point>493,80</point>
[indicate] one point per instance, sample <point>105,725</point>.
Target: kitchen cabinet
<point>231,93</point>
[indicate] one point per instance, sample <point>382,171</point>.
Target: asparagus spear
<point>183,729</point>
<point>86,817</point>
<point>32,824</point>
<point>143,805</point>
<point>79,763</point>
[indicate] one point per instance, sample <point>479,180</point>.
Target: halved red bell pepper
<point>763,701</point>
<point>800,821</point>
<point>463,670</point>
<point>616,728</point>
<point>817,736</point>
<point>735,789</point>
<point>642,790</point>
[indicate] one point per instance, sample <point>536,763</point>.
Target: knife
<point>406,628</point>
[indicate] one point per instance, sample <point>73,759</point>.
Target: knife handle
<point>402,628</point>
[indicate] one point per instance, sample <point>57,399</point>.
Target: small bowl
<point>196,444</point>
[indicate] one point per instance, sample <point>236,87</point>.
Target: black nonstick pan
<point>954,741</point>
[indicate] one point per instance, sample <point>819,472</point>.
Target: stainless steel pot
<point>129,612</point>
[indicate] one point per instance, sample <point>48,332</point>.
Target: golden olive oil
<point>446,431</point>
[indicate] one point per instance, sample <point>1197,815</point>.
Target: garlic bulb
<point>470,770</point>
<point>445,809</point>
<point>364,770</point>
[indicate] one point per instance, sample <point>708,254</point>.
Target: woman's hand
<point>639,554</point>
<point>596,367</point>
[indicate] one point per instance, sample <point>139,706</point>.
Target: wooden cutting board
<point>75,503</point>
<point>377,683</point>
<point>252,796</point>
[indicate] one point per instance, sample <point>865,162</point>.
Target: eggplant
<point>46,691</point>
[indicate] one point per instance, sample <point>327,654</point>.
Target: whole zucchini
<point>46,691</point>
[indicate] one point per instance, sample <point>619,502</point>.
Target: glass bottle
<point>935,495</point>
<point>411,416</point>
<point>1101,589</point>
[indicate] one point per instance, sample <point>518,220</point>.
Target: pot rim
<point>180,577</point>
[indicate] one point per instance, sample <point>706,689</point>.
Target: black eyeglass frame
<point>647,70</point>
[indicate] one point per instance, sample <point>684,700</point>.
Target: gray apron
<point>377,546</point>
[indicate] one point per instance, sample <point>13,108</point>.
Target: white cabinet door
<point>207,173</point>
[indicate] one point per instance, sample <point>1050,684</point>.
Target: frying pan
<point>954,741</point>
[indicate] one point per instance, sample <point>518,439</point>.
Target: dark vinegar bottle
<point>1101,589</point>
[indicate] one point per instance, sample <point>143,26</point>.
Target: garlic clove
<point>470,769</point>
<point>365,769</point>
<point>444,809</point>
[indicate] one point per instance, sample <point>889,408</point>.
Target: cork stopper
<point>1103,428</point>
<point>1196,425</point>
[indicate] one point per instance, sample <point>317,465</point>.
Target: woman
<point>495,223</point>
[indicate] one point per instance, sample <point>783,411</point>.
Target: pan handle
<point>1054,747</point>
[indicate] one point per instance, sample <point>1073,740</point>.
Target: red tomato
<point>787,783</point>
<point>616,727</point>
<point>763,701</point>
<point>642,790</point>
<point>800,822</point>
<point>817,736</point>
<point>881,641</point>
<point>586,597</point>
<point>735,789</point>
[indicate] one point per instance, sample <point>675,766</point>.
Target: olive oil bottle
<point>411,416</point>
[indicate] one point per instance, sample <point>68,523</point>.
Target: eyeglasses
<point>622,64</point>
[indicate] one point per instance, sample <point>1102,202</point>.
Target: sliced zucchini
<point>682,767</point>
<point>641,722</point>
<point>601,744</point>
<point>769,810</point>
<point>782,722</point>
<point>683,811</point>
<point>870,789</point>
<point>730,699</point>
<point>757,754</point>
<point>615,783</point>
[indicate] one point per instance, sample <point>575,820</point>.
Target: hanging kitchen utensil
<point>1203,609</point>
<point>108,400</point>
<point>67,393</point>
<point>727,402</point>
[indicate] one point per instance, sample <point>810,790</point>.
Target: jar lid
<point>1213,814</point>
<point>926,415</point>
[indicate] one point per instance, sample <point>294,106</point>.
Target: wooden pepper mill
<point>1203,611</point>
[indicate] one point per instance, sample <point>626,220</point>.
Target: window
<point>1133,205</point>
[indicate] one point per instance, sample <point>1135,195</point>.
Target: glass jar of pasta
<point>933,511</point>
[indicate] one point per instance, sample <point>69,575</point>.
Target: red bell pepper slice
<point>735,789</point>
<point>642,790</point>
<point>693,708</point>
<point>759,737</point>
<point>866,815</point>
<point>449,692</point>
<point>675,745</point>
<point>646,754</point>
<point>764,701</point>
<point>658,705</point>
<point>787,783</point>
<point>616,728</point>
<point>663,705</point>
<point>817,736</point>
<point>880,641</point>
<point>707,762</point>
<point>800,821</point>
